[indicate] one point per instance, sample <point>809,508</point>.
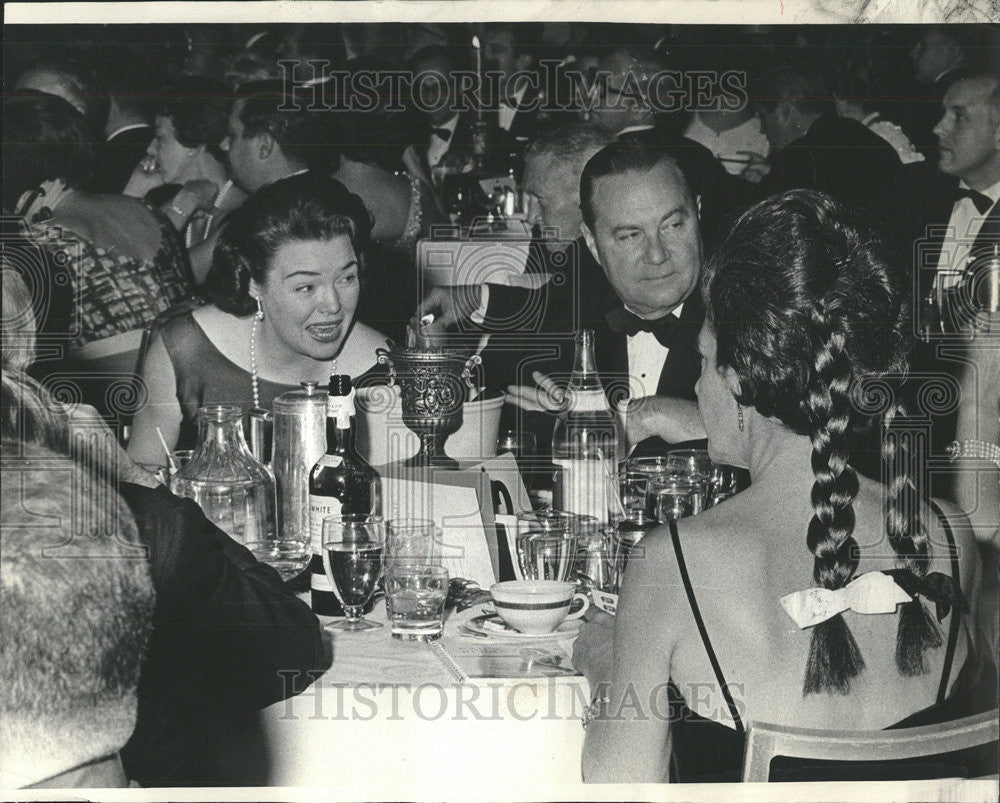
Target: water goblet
<point>353,549</point>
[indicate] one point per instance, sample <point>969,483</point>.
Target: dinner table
<point>471,716</point>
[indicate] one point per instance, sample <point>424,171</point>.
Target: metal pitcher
<point>299,441</point>
<point>432,384</point>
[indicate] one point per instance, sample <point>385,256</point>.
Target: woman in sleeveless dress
<point>285,286</point>
<point>740,613</point>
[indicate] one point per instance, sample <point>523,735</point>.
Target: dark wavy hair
<point>198,107</point>
<point>808,310</point>
<point>44,137</point>
<point>303,131</point>
<point>308,206</point>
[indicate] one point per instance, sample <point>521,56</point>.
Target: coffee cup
<point>536,607</point>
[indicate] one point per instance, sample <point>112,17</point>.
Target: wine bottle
<point>586,440</point>
<point>341,482</point>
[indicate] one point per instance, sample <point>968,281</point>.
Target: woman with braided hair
<point>817,598</point>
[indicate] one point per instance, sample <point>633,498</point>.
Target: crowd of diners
<point>787,263</point>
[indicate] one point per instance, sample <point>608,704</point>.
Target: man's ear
<point>588,236</point>
<point>265,145</point>
<point>784,111</point>
<point>524,62</point>
<point>697,203</point>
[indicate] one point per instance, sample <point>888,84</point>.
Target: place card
<point>460,503</point>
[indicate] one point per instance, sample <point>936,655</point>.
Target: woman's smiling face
<point>310,295</point>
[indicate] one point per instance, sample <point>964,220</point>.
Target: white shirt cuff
<point>479,316</point>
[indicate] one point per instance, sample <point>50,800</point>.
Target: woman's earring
<point>259,315</point>
<point>739,416</point>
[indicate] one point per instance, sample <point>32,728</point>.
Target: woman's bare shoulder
<point>364,338</point>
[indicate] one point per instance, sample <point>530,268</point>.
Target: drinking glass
<point>548,521</point>
<point>546,544</point>
<point>632,491</point>
<point>693,462</point>
<point>178,459</point>
<point>353,547</point>
<point>722,484</point>
<point>287,557</point>
<point>411,542</point>
<point>674,497</point>
<point>414,601</point>
<point>649,466</point>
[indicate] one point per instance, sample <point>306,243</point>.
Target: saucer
<point>492,626</point>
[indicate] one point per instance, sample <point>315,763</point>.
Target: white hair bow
<point>873,592</point>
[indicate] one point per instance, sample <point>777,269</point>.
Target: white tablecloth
<point>389,721</point>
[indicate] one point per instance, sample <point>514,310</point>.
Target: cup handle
<point>385,359</point>
<point>583,608</point>
<point>470,363</point>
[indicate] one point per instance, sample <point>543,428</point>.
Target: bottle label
<point>587,401</point>
<point>319,508</point>
<point>329,461</point>
<point>581,486</point>
<point>341,408</point>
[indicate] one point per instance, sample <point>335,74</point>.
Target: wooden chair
<point>765,741</point>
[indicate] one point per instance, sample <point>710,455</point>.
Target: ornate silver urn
<point>432,384</point>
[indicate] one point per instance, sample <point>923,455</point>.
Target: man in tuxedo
<point>813,148</point>
<point>509,49</point>
<point>949,259</point>
<point>640,225</point>
<point>128,130</point>
<point>968,137</point>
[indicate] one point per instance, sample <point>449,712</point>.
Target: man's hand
<point>547,397</point>
<point>448,305</point>
<point>674,420</point>
<point>756,169</point>
<point>593,650</point>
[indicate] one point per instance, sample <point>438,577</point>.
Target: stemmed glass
<point>353,549</point>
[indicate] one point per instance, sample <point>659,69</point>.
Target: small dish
<point>492,626</point>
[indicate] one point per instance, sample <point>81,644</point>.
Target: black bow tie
<point>622,321</point>
<point>442,133</point>
<point>982,201</point>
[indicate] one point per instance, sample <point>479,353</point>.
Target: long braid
<point>834,657</point>
<point>916,630</point>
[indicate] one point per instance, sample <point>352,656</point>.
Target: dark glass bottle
<point>340,482</point>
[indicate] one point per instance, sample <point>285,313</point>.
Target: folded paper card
<point>459,503</point>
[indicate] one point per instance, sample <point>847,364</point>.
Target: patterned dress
<point>112,293</point>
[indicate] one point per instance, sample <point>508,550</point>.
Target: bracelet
<point>980,450</point>
<point>591,711</point>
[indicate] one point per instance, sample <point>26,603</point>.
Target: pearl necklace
<point>188,236</point>
<point>254,377</point>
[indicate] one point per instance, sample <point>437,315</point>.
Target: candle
<point>479,74</point>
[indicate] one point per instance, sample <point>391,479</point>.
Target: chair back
<point>765,741</point>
